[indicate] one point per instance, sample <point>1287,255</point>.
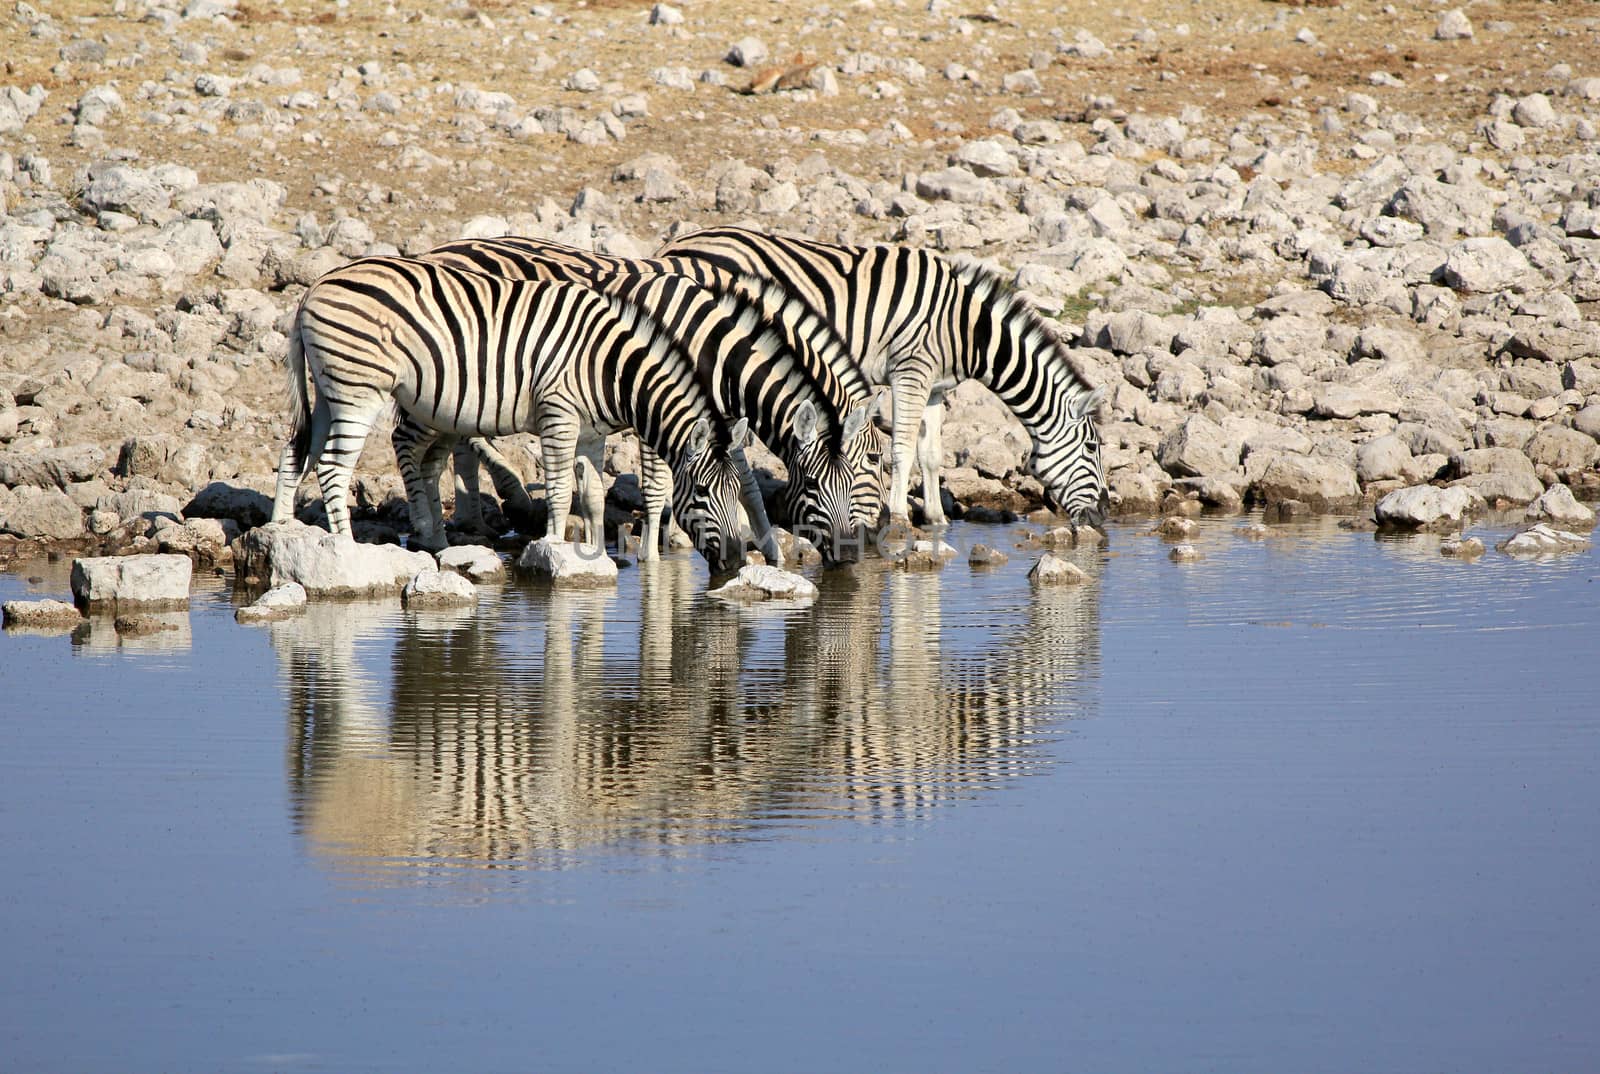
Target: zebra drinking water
<point>762,354</point>
<point>921,324</point>
<point>477,355</point>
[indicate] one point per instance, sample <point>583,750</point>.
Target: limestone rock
<point>1544,540</point>
<point>568,563</point>
<point>1484,264</point>
<point>1453,26</point>
<point>204,540</point>
<point>36,512</point>
<point>984,556</point>
<point>1382,459</point>
<point>116,582</point>
<point>1561,448</point>
<point>279,602</point>
<point>1184,553</point>
<point>1053,570</point>
<point>40,615</point>
<point>1461,548</point>
<point>439,589</point>
<point>1426,507</point>
<point>1558,505</point>
<point>1324,483</point>
<point>328,566</point>
<point>759,582</point>
<point>473,561</point>
<point>1198,448</point>
<point>51,467</point>
<point>1176,528</point>
<point>924,555</point>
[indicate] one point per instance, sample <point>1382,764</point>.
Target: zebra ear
<point>699,438</point>
<point>739,435</point>
<point>805,422</point>
<point>857,420</point>
<point>1088,405</point>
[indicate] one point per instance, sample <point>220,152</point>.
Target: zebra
<point>478,355</point>
<point>762,354</point>
<point>920,324</point>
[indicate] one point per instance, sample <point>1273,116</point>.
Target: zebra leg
<point>412,443</point>
<point>514,498</point>
<point>755,508</point>
<point>910,400</point>
<point>656,477</point>
<point>592,486</point>
<point>591,501</point>
<point>434,536</point>
<point>930,455</point>
<point>468,513</point>
<point>293,466</point>
<point>347,432</point>
<point>558,441</point>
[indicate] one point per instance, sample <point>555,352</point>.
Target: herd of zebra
<point>724,334</point>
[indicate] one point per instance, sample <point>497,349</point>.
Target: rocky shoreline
<point>1303,306</point>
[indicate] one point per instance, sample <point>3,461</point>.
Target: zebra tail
<point>298,392</point>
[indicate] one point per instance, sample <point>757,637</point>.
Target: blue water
<point>1315,803</point>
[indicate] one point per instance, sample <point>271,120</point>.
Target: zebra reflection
<point>509,738</point>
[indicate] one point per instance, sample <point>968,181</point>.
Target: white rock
<point>1558,505</point>
<point>40,614</point>
<point>1184,553</point>
<point>1053,570</point>
<point>760,582</point>
<point>439,589</point>
<point>1543,540</point>
<point>116,582</point>
<point>1421,506</point>
<point>1535,110</point>
<point>1453,26</point>
<point>1461,548</point>
<point>279,602</point>
<point>747,52</point>
<point>1382,458</point>
<point>1484,264</point>
<point>325,564</point>
<point>474,561</point>
<point>568,563</point>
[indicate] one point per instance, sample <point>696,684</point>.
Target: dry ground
<point>1230,58</point>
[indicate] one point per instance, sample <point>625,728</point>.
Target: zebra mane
<point>988,284</point>
<point>658,342</point>
<point>810,327</point>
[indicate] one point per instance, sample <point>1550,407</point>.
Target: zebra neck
<point>663,410</point>
<point>1008,348</point>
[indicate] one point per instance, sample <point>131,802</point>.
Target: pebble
<point>984,556</point>
<point>1461,548</point>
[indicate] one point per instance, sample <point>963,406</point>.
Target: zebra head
<point>705,493</point>
<point>835,490</point>
<point>1067,462</point>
